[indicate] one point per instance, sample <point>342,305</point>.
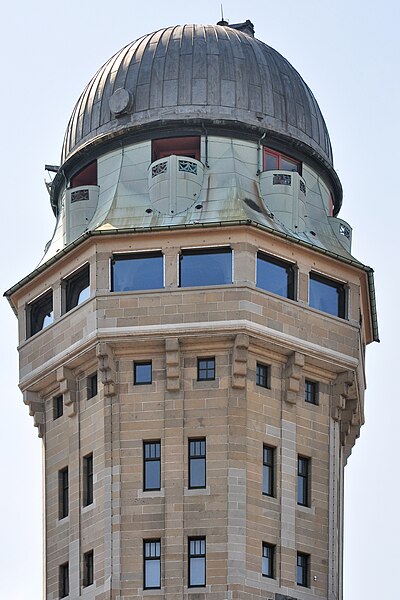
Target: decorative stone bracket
<point>36,410</point>
<point>107,369</point>
<point>68,387</point>
<point>292,376</point>
<point>344,405</point>
<point>172,360</point>
<point>239,363</point>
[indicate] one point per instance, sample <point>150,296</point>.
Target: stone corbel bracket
<point>292,375</point>
<point>107,368</point>
<point>239,362</point>
<point>36,410</point>
<point>68,388</point>
<point>172,361</point>
<point>345,405</point>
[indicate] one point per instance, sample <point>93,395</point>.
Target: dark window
<point>311,391</point>
<point>303,569</point>
<point>197,463</point>
<point>88,568</point>
<point>183,146</point>
<point>263,375</point>
<point>63,493</point>
<point>76,288</point>
<point>86,176</point>
<point>276,161</point>
<point>327,295</point>
<point>197,562</point>
<point>206,369</point>
<point>142,373</point>
<point>205,266</point>
<point>58,406</point>
<point>275,275</point>
<point>152,564</point>
<point>268,471</point>
<point>268,555</point>
<point>63,580</point>
<point>40,313</point>
<point>303,481</point>
<point>92,385</point>
<point>151,466</point>
<point>88,480</point>
<point>141,271</point>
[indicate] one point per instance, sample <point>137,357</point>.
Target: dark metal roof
<point>192,72</point>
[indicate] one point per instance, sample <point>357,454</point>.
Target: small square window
<point>268,556</point>
<point>92,385</point>
<point>152,564</point>
<point>263,375</point>
<point>303,569</point>
<point>142,373</point>
<point>327,295</point>
<point>311,391</point>
<point>206,369</point>
<point>88,568</point>
<point>58,407</point>
<point>63,580</point>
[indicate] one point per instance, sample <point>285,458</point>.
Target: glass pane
<point>137,273</point>
<point>152,475</point>
<point>266,566</point>
<point>288,165</point>
<point>271,162</point>
<point>211,268</point>
<point>327,296</point>
<point>301,490</point>
<point>197,472</point>
<point>143,373</point>
<point>267,480</point>
<point>152,574</point>
<point>197,571</point>
<point>274,277</point>
<point>84,294</point>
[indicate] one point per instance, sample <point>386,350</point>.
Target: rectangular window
<point>137,271</point>
<point>303,481</point>
<point>263,375</point>
<point>92,385</point>
<point>151,466</point>
<point>206,369</point>
<point>63,493</point>
<point>40,313</point>
<point>311,391</point>
<point>327,295</point>
<point>76,288</point>
<point>142,373</point>
<point>268,471</point>
<point>63,580</point>
<point>181,146</point>
<point>197,562</point>
<point>86,176</point>
<point>152,564</point>
<point>276,161</point>
<point>88,480</point>
<point>88,568</point>
<point>205,266</point>
<point>58,407</point>
<point>268,556</point>
<point>197,463</point>
<point>275,275</point>
<point>303,569</point>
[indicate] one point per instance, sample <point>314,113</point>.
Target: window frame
<point>205,251</point>
<point>263,375</point>
<point>194,457</point>
<point>147,559</point>
<point>269,457</point>
<point>87,475</point>
<point>58,406</point>
<point>142,363</point>
<point>88,569</point>
<point>303,569</point>
<point>287,266</point>
<point>303,476</point>
<point>139,255</point>
<point>63,493</point>
<point>311,390</point>
<point>92,382</point>
<point>270,571</point>
<point>151,459</point>
<point>280,157</point>
<point>63,580</point>
<point>71,287</point>
<point>37,311</point>
<point>341,288</point>
<point>206,373</point>
<point>192,556</point>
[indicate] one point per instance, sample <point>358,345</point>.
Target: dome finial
<point>222,21</point>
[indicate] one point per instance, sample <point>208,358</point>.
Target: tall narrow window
<point>88,568</point>
<point>142,372</point>
<point>40,313</point>
<point>197,562</point>
<point>303,481</point>
<point>268,470</point>
<point>311,391</point>
<point>303,569</point>
<point>327,295</point>
<point>76,288</point>
<point>58,406</point>
<point>152,564</point>
<point>263,375</point>
<point>151,466</point>
<point>197,463</point>
<point>206,369</point>
<point>205,266</point>
<point>88,480</point>
<point>63,580</point>
<point>137,271</point>
<point>92,385</point>
<point>275,275</point>
<point>268,556</point>
<point>63,493</point>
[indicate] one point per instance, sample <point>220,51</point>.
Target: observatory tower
<point>192,343</point>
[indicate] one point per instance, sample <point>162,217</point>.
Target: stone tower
<point>192,343</point>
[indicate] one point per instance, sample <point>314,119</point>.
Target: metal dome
<point>192,73</point>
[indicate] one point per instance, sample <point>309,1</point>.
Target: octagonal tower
<point>192,342</point>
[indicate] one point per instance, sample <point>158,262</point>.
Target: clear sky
<point>348,53</point>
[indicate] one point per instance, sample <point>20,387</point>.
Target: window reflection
<point>211,266</point>
<point>40,313</point>
<point>327,295</point>
<point>142,271</point>
<point>275,275</point>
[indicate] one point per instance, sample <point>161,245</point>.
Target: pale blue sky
<point>348,53</point>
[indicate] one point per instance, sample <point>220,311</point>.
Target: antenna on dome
<point>222,21</point>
